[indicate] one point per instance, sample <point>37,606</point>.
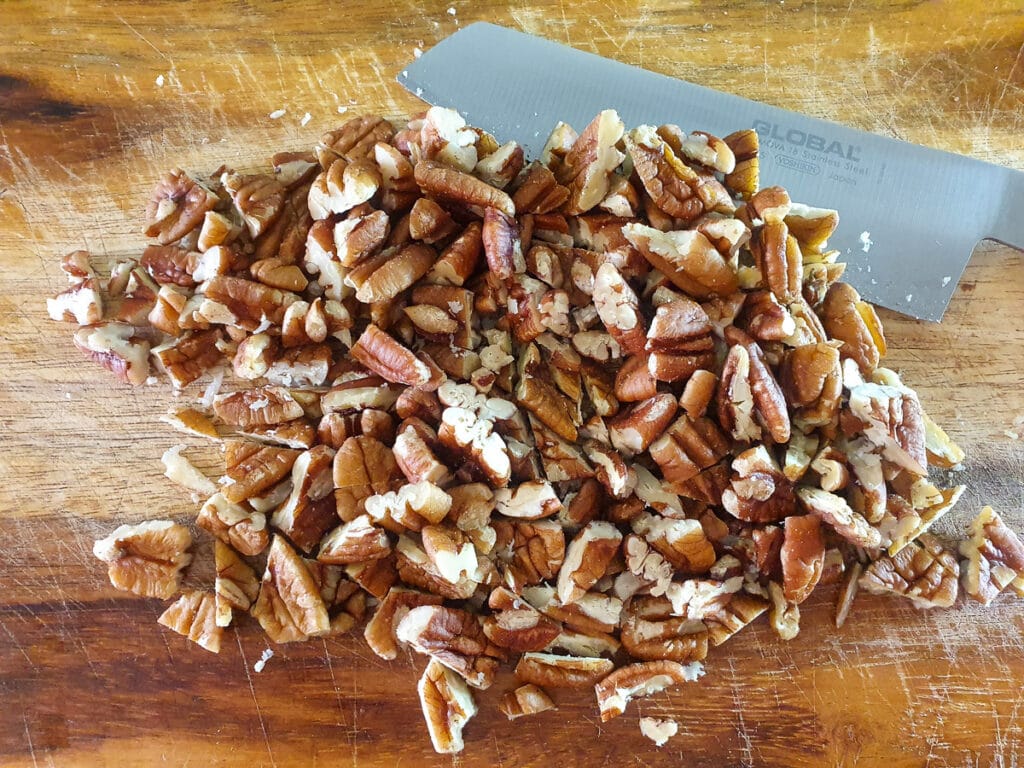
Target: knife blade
<point>910,216</point>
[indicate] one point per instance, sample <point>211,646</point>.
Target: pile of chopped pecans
<point>590,416</point>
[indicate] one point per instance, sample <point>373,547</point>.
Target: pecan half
<point>194,616</point>
<point>289,606</point>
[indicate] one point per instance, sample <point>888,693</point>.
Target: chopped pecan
<point>633,381</point>
<point>363,466</point>
<point>253,468</point>
<point>81,303</point>
<point>619,309</point>
<point>539,192</point>
<point>681,542</point>
<point>811,377</point>
<point>586,558</point>
<point>516,625</point>
<point>383,355</point>
<point>528,501</point>
<point>553,671</point>
<point>924,572</point>
<point>778,258</point>
<point>994,558</point>
<point>847,594</point>
<point>357,541</point>
<point>236,585</point>
<point>687,258</point>
<point>342,186</point>
<point>289,606</point>
<point>525,700</point>
<point>458,260</point>
<point>688,447</point>
<point>893,422</point>
<point>698,393</point>
<point>447,706</point>
<point>836,512</point>
<point>587,167</point>
<point>759,492</point>
<point>397,273</point>
<point>783,616</point>
<point>410,507</point>
<point>236,524</point>
<point>194,616</point>
<point>454,186</point>
<point>632,431</point>
<point>749,397</point>
<point>853,322</point>
<point>380,629</point>
<point>679,341</point>
<point>147,558</point>
<point>415,456</point>
<point>671,184</point>
<point>537,550</point>
<point>650,632</point>
<point>416,569</point>
<point>261,407</point>
<point>118,348</point>
<point>309,511</point>
<point>277,273</point>
<point>177,206</point>
<point>188,357</point>
<point>617,477</point>
<point>354,140</point>
<point>616,690</point>
<point>803,557</point>
<point>473,437</point>
<point>258,198</point>
<point>453,637</point>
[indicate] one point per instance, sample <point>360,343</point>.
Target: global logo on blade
<point>811,141</point>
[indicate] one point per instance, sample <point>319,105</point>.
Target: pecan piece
<point>616,690</point>
<point>309,511</point>
<point>147,558</point>
<point>357,541</point>
<point>633,381</point>
<point>410,507</point>
<point>778,258</point>
<point>586,559</point>
<point>447,706</point>
<point>749,396</point>
<point>924,572</point>
<point>853,322</point>
<point>473,437</point>
<point>342,186</point>
<point>397,273</point>
<point>688,447</point>
<point>528,501</point>
<point>525,700</point>
<point>516,625</point>
<point>81,303</point>
<point>679,341</point>
<point>836,512</point>
<point>236,585</point>
<point>117,348</point>
<point>587,167</point>
<point>994,558</point>
<point>682,542</point>
<point>811,377</point>
<point>289,606</point>
<point>687,258</point>
<point>453,637</point>
<point>380,629</point>
<point>539,192</point>
<point>253,468</point>
<point>363,467</point>
<point>650,632</point>
<point>383,355</point>
<point>803,557</point>
<point>893,422</point>
<point>236,524</point>
<point>632,431</point>
<point>194,616</point>
<point>553,671</point>
<point>261,407</point>
<point>458,260</point>
<point>501,243</point>
<point>177,206</point>
<point>188,357</point>
<point>759,491</point>
<point>619,310</point>
<point>258,198</point>
<point>671,184</point>
<point>452,185</point>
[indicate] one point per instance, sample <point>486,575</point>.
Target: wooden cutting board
<point>96,101</point>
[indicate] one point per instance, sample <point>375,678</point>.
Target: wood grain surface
<point>97,98</point>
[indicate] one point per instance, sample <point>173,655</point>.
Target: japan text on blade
<point>903,249</point>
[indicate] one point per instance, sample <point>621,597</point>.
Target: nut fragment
<point>236,585</point>
<point>803,557</point>
<point>759,492</point>
<point>289,606</point>
<point>525,700</point>
<point>994,558</point>
<point>177,206</point>
<point>853,322</point>
<point>924,572</point>
<point>449,184</point>
<point>118,348</point>
<point>453,637</point>
<point>379,352</point>
<point>894,423</point>
<point>447,706</point>
<point>147,558</point>
<point>586,559</point>
<point>549,670</point>
<point>588,165</point>
<point>194,616</point>
<point>687,258</point>
<point>679,341</point>
<point>836,512</point>
<point>616,690</point>
<point>357,541</point>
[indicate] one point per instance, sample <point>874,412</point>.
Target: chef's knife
<point>909,216</point>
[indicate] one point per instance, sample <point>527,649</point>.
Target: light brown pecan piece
<point>913,520</point>
<point>783,616</point>
<point>147,558</point>
<point>342,186</point>
<point>924,572</point>
<point>188,357</point>
<point>743,181</point>
<point>447,705</point>
<point>386,357</point>
<point>453,637</point>
<point>803,557</point>
<point>81,303</point>
<point>525,700</point>
<point>698,393</point>
<point>679,341</point>
<point>539,192</point>
<point>650,632</point>
<point>194,616</point>
<point>811,377</point>
<point>375,576</point>
<point>537,550</point>
<point>289,606</point>
<point>235,586</point>
<point>363,466</point>
<point>618,307</point>
<point>278,273</point>
<point>170,265</point>
<point>177,206</point>
<point>118,348</point>
<point>682,542</point>
<point>836,512</point>
<point>633,381</point>
<point>894,423</point>
<point>853,322</point>
<point>458,260</point>
<point>260,407</point>
<point>516,625</point>
<point>994,558</point>
<point>553,671</point>
<point>687,258</point>
<point>586,559</point>
<point>416,569</point>
<point>354,140</point>
<point>587,167</point>
<point>688,447</point>
<point>726,619</point>
<point>309,511</point>
<point>749,397</point>
<point>765,319</point>
<point>236,524</point>
<point>616,690</point>
<point>411,507</point>
<point>501,166</point>
<point>633,430</point>
<point>610,469</point>
<point>380,629</point>
<point>357,541</point>
<point>253,468</point>
<point>397,273</point>
<point>778,258</point>
<point>258,198</point>
<point>451,185</point>
<point>527,501</point>
<point>671,184</point>
<point>473,437</point>
<point>759,491</point>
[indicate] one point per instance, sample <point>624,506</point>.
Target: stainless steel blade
<point>909,216</point>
